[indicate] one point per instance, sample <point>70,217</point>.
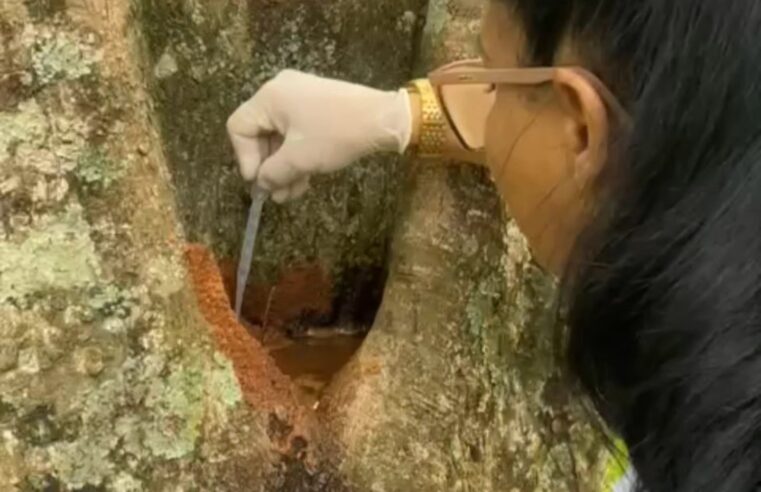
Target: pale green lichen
<point>177,400</point>
<point>27,124</point>
<point>34,344</point>
<point>166,420</point>
<point>481,305</point>
<point>97,171</point>
<point>11,450</point>
<point>178,404</point>
<point>124,482</point>
<point>476,312</point>
<point>222,384</point>
<point>86,459</point>
<point>119,403</point>
<point>59,56</point>
<point>113,307</point>
<point>84,462</point>
<point>437,18</point>
<point>165,275</point>
<point>49,145</point>
<point>57,253</point>
<point>109,301</point>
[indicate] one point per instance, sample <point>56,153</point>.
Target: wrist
<point>431,129</point>
<point>415,108</point>
<point>395,122</point>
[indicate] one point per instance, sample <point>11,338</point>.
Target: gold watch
<point>433,124</point>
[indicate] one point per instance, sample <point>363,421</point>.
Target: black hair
<point>664,292</point>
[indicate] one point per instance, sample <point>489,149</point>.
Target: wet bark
<point>122,369</point>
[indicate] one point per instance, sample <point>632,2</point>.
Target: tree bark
<point>121,368</point>
<point>466,392</point>
<point>108,379</point>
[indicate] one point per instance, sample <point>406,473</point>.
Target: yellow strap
<point>433,125</point>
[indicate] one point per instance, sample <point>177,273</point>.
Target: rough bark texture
<point>113,157</point>
<point>466,392</point>
<point>210,56</point>
<point>107,378</point>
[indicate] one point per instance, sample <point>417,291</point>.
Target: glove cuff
<point>395,122</point>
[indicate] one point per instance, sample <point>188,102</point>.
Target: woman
<point>646,203</point>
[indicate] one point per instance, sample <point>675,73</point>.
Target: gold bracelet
<point>433,125</point>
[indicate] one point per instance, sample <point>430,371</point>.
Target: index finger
<point>249,128</point>
<point>252,118</point>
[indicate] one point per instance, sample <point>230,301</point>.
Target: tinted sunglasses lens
<point>468,106</point>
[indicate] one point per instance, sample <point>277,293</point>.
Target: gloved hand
<point>299,124</point>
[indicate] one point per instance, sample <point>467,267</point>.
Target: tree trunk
<point>121,365</point>
<point>465,392</point>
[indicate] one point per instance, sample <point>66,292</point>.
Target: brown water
<point>313,358</point>
<point>301,298</point>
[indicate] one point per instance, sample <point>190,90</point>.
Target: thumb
<point>250,152</point>
<point>285,167</point>
<point>249,129</point>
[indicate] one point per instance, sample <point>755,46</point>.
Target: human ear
<point>585,122</point>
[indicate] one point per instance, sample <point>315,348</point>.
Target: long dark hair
<point>664,292</point>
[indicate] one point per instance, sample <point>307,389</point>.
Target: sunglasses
<point>465,90</point>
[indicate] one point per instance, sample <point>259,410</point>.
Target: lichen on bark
<point>107,378</point>
<point>209,57</point>
<point>467,392</point>
<point>113,155</point>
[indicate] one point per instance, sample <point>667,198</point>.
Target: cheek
<point>499,136</point>
<point>527,167</point>
<point>516,165</point>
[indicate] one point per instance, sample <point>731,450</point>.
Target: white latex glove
<point>299,124</point>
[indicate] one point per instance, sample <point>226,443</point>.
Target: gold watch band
<point>433,125</point>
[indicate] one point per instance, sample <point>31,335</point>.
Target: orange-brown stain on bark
<point>264,386</point>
